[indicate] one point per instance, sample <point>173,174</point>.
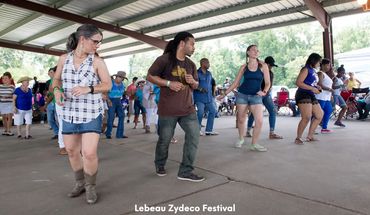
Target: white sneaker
<point>201,133</point>
<point>212,133</point>
<point>42,122</point>
<point>239,143</point>
<point>258,148</point>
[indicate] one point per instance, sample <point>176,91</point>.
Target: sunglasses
<point>96,42</point>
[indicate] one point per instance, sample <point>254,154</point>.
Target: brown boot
<point>79,187</point>
<point>91,196</point>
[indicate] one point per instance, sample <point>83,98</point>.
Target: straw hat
<point>24,78</point>
<point>121,74</point>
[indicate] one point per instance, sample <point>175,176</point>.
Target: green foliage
<point>21,63</point>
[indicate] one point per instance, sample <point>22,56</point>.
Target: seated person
<point>293,106</point>
<point>363,107</point>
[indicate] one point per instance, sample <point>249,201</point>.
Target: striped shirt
<point>84,108</point>
<point>6,93</point>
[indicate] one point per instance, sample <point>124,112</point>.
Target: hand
<point>78,91</point>
<point>220,97</point>
<point>261,93</point>
<point>15,110</point>
<point>109,103</point>
<point>189,79</point>
<point>59,97</point>
<point>316,91</point>
<point>176,86</point>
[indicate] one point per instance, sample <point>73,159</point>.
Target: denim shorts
<point>94,126</point>
<point>338,100</point>
<point>242,99</point>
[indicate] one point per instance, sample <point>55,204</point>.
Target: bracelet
<point>168,83</point>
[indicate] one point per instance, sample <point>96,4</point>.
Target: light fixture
<point>361,2</point>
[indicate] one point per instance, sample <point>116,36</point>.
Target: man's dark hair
<point>203,60</point>
<point>134,79</point>
<point>172,45</point>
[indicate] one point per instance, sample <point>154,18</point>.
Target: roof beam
<point>157,12</point>
<point>319,12</point>
<point>244,31</point>
<point>222,25</point>
<point>80,19</point>
<point>217,26</point>
<point>218,12</point>
<point>30,48</point>
<point>138,18</point>
<point>55,4</point>
<point>66,24</point>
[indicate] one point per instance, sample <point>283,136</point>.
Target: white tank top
<point>325,95</point>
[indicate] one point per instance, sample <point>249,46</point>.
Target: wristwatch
<point>91,89</point>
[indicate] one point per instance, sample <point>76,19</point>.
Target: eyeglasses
<point>96,42</point>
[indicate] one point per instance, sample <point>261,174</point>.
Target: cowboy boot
<point>91,196</point>
<point>79,187</point>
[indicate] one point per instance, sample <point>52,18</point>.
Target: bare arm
<point>102,70</point>
<point>173,85</point>
<point>300,81</point>
<point>237,79</point>
<point>15,110</point>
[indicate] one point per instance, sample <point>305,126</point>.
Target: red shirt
<point>131,90</point>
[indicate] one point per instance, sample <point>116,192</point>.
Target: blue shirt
<point>310,80</point>
<point>251,82</point>
<point>157,92</point>
<point>139,95</point>
<point>205,82</point>
<point>24,99</point>
<point>117,90</point>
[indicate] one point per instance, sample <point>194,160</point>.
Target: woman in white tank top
<point>324,98</point>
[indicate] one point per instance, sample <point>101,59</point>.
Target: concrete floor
<point>331,176</point>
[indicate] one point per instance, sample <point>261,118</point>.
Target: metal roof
<point>206,19</point>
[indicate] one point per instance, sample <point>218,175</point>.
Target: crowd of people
<point>82,101</point>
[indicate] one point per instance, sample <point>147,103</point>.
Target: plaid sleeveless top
<point>84,108</point>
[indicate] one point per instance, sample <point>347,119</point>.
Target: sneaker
<point>201,133</point>
<point>248,134</point>
<point>55,137</point>
<point>191,177</point>
<point>339,123</point>
<point>258,148</point>
<point>239,143</point>
<point>161,171</point>
<point>42,122</point>
<point>326,131</point>
<point>212,133</point>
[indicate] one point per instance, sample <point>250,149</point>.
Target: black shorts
<point>305,98</point>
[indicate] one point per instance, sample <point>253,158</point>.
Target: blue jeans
<point>210,116</point>
<point>328,109</point>
<point>116,108</point>
<point>52,117</point>
<point>167,127</point>
<point>269,104</point>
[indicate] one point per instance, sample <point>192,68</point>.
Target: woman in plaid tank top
<point>80,79</point>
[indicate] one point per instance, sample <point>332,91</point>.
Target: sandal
<point>311,139</point>
<point>28,137</point>
<point>299,141</point>
<point>19,136</point>
<point>275,136</point>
